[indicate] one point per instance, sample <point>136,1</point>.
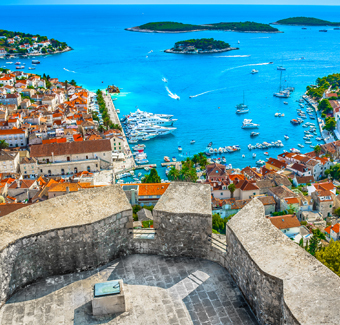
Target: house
<point>313,217</point>
<point>29,167</point>
<point>23,189</point>
<point>9,99</point>
<point>6,80</point>
<point>9,162</point>
<point>280,193</point>
<point>275,164</point>
<point>251,173</point>
<point>72,157</point>
<point>216,172</point>
<point>288,224</point>
<point>268,203</point>
<point>144,194</point>
<point>14,137</point>
<point>300,170</point>
<point>3,52</point>
<point>325,186</point>
<point>63,188</point>
<point>323,202</point>
<point>302,180</point>
<point>333,232</point>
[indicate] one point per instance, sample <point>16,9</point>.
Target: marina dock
<point>177,164</point>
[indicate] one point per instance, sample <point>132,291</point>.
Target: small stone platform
<point>159,290</point>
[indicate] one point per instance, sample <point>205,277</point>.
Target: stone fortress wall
<point>282,283</point>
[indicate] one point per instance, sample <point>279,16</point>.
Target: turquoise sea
<point>104,53</point>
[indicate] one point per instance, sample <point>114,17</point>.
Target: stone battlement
<point>282,283</point>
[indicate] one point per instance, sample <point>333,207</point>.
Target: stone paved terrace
<point>159,290</point>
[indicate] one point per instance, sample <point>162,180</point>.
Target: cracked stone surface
<point>159,290</point>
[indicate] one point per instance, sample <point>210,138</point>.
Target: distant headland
<point>305,21</point>
<point>200,46</point>
<point>25,44</point>
<point>174,27</point>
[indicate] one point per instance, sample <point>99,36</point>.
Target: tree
<point>218,223</point>
<point>232,189</point>
<point>3,144</point>
<point>314,244</point>
<point>153,177</point>
<point>317,150</point>
<point>73,82</point>
<point>330,256</point>
<point>330,124</point>
<point>325,106</point>
<point>174,174</point>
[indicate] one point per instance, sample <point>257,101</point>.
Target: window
<point>221,193</point>
<point>87,157</point>
<point>40,170</point>
<point>103,154</point>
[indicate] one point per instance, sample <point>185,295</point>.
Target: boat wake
<point>232,56</point>
<point>174,96</point>
<point>69,70</point>
<point>206,92</point>
<point>247,65</point>
<point>150,51</point>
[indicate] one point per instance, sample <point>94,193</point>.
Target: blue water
<point>104,53</point>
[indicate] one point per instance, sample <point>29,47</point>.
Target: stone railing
<point>65,234</point>
<point>282,283</point>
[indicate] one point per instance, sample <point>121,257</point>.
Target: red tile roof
<point>285,222</point>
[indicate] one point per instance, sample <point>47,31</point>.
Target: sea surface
<point>104,53</point>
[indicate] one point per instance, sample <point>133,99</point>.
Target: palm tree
<point>3,144</point>
<point>173,174</point>
<point>232,189</point>
<point>317,150</point>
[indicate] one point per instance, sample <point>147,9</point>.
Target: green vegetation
<point>219,223</point>
<point>325,106</point>
<point>3,144</point>
<point>202,44</point>
<point>26,38</point>
<point>103,109</point>
<point>333,171</point>
<point>330,124</point>
<point>322,84</point>
<point>147,223</point>
<point>330,256</point>
<point>169,26</point>
<point>153,177</point>
<point>188,172</point>
<point>232,189</point>
<point>317,150</point>
<point>307,21</point>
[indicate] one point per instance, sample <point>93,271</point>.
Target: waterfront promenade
<point>128,163</point>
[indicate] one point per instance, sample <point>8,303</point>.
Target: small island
<point>200,46</point>
<point>24,44</point>
<point>305,21</point>
<point>174,27</point>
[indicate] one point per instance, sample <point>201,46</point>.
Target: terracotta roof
<point>328,186</point>
<point>285,222</point>
<point>248,186</point>
<point>299,168</point>
<point>282,192</point>
<point>152,189</point>
<point>276,163</point>
<point>266,200</point>
<point>61,187</point>
<point>335,228</point>
<point>23,183</point>
<point>215,170</point>
<point>6,208</point>
<point>11,131</point>
<point>4,156</point>
<point>236,204</point>
<point>292,200</point>
<point>305,179</point>
<point>67,148</point>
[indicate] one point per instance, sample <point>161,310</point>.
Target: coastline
<point>205,52</point>
<point>308,25</point>
<point>137,29</point>
<point>19,55</point>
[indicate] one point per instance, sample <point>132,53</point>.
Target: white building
<point>9,162</point>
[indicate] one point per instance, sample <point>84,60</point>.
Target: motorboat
<point>286,103</point>
<point>166,159</point>
<point>31,68</point>
<point>281,68</point>
<point>254,71</point>
<point>192,141</point>
<point>35,62</point>
<point>209,144</point>
<point>254,134</point>
<point>286,137</point>
<point>254,155</point>
<point>266,153</point>
<point>248,124</point>
<point>282,94</point>
<point>260,162</point>
<point>180,148</point>
<point>174,159</point>
<point>301,145</point>
<point>294,150</point>
<point>242,111</point>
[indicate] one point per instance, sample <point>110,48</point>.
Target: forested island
<point>174,27</point>
<point>305,21</point>
<point>29,44</point>
<point>200,46</point>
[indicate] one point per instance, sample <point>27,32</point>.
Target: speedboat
<point>254,134</point>
<point>192,141</point>
<point>266,153</point>
<point>286,137</point>
<point>174,159</point>
<point>300,145</point>
<point>179,148</point>
<point>286,103</point>
<point>248,124</point>
<point>254,71</point>
<point>281,68</point>
<point>166,159</point>
<point>254,155</point>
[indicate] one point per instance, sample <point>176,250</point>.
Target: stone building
<point>9,161</point>
<point>72,157</point>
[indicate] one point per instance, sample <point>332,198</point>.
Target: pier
<point>177,164</point>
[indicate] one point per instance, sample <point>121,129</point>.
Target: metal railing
<point>143,233</point>
<point>217,243</point>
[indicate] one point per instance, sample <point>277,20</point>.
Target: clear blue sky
<point>80,2</point>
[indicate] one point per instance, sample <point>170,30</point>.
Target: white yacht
<point>248,124</point>
<point>242,111</point>
<point>155,120</point>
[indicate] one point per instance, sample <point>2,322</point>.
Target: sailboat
<point>282,93</point>
<point>242,108</point>
<point>281,67</point>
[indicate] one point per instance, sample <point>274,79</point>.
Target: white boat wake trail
<point>247,65</point>
<point>206,92</point>
<point>174,96</point>
<point>232,56</point>
<point>69,70</point>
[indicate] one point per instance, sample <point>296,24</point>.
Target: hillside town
<point>12,43</point>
